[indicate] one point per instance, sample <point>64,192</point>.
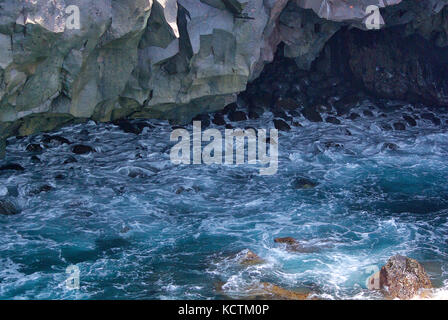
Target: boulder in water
<point>401,278</point>
<point>399,126</point>
<point>410,120</point>
<point>8,208</point>
<point>55,139</point>
<point>34,147</point>
<point>237,116</point>
<point>248,258</point>
<point>312,115</point>
<point>293,245</point>
<point>218,119</point>
<point>286,104</point>
<point>304,183</point>
<point>268,290</point>
<point>82,149</point>
<point>333,120</point>
<point>281,125</point>
<point>12,167</point>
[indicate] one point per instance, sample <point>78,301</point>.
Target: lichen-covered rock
<point>401,278</point>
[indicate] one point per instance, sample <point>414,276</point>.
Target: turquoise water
<point>138,226</point>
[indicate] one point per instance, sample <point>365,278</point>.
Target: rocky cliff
<point>170,59</point>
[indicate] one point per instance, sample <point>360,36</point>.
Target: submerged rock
<point>281,125</point>
<point>82,149</point>
<point>70,159</point>
<point>304,183</point>
<point>8,208</point>
<point>248,257</point>
<point>401,278</point>
<point>410,120</point>
<point>390,146</point>
<point>399,126</point>
<point>127,126</point>
<point>218,119</point>
<point>265,291</point>
<point>286,104</point>
<point>237,116</point>
<point>204,119</point>
<point>333,120</point>
<point>55,139</point>
<point>34,147</point>
<point>312,115</point>
<point>293,245</point>
<point>268,290</point>
<point>431,117</point>
<point>12,167</point>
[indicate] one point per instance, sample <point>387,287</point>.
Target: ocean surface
<point>139,227</point>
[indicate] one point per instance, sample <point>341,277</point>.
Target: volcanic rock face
<point>416,70</point>
<point>170,59</point>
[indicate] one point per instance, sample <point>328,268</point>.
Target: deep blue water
<point>141,235</point>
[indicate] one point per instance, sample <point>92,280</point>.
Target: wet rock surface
<point>82,149</point>
<point>248,258</point>
<point>8,208</point>
<point>401,277</point>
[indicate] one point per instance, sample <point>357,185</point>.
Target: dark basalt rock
<point>237,116</point>
<point>354,116</point>
<point>12,167</point>
<point>401,278</point>
<point>333,120</point>
<point>70,159</point>
<point>45,188</point>
<point>134,127</point>
<point>367,113</point>
<point>218,119</point>
<point>230,108</point>
<point>311,114</point>
<point>410,120</point>
<point>399,126</point>
<point>253,114</point>
<point>286,104</point>
<point>34,147</point>
<point>41,189</point>
<point>281,125</point>
<point>82,149</point>
<point>432,117</point>
<point>304,183</point>
<point>390,146</point>
<point>394,65</point>
<point>204,119</point>
<point>344,105</point>
<point>54,139</point>
<point>281,114</point>
<point>332,144</point>
<point>8,208</point>
<point>128,127</point>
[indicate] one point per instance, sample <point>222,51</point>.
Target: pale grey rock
<point>168,59</point>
